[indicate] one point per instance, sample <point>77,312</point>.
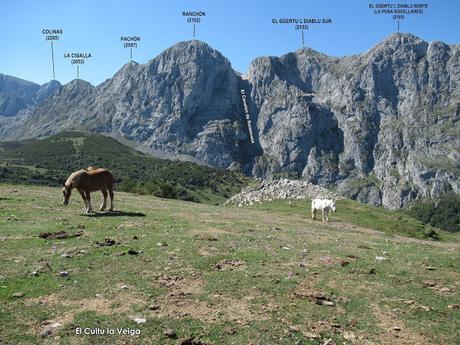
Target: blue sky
<point>240,29</point>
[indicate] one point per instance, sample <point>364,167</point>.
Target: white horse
<point>325,205</point>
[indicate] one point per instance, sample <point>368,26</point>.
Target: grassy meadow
<point>188,273</point>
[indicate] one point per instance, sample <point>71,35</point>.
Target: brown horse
<point>87,181</point>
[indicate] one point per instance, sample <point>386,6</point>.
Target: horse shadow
<point>114,214</point>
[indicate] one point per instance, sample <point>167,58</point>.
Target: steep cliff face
<point>295,128</point>
<point>382,126</point>
<point>186,100</point>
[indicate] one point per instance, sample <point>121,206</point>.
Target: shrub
<point>166,190</point>
<point>443,213</point>
<point>127,186</point>
<point>430,232</point>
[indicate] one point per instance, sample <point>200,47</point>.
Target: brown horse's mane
<point>74,178</point>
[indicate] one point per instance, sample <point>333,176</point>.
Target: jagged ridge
<point>18,94</point>
<point>382,126</point>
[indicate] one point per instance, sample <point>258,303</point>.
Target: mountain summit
<point>382,126</point>
<point>17,94</point>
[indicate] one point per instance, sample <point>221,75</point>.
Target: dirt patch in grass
<point>207,237</point>
<point>304,287</point>
<point>394,332</point>
<point>59,235</point>
<point>328,260</point>
<point>321,330</point>
<point>183,301</point>
<point>305,290</point>
<point>229,264</point>
<point>438,287</point>
<point>413,304</point>
<point>118,304</point>
<point>181,304</point>
<point>191,287</point>
<point>183,285</point>
<point>106,306</point>
<point>208,231</point>
<point>208,251</point>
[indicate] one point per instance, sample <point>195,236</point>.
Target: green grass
<point>353,212</point>
<point>50,161</point>
<point>282,257</point>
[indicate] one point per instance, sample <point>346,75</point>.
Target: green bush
<point>443,213</point>
<point>127,186</point>
<point>430,232</point>
<point>166,190</point>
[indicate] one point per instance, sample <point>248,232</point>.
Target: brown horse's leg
<point>83,196</point>
<point>110,188</point>
<point>104,203</point>
<point>90,208</point>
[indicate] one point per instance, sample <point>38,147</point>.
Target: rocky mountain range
<point>381,127</point>
<point>18,94</point>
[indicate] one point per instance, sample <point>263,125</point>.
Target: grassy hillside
<point>50,161</point>
<point>378,218</point>
<point>203,274</point>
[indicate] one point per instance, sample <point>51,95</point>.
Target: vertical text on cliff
<point>246,115</point>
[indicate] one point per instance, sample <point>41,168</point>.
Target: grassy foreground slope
<point>50,161</point>
<point>202,274</point>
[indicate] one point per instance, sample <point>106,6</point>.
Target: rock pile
<point>268,190</point>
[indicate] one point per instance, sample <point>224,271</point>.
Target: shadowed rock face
<point>17,94</point>
<point>382,126</point>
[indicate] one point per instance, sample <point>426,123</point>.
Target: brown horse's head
<point>66,191</point>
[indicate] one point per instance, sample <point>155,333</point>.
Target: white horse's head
<point>332,205</point>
